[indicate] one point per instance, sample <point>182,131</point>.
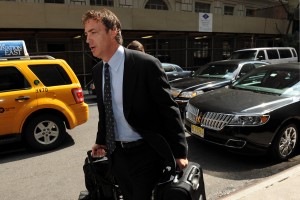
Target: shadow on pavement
<point>19,150</point>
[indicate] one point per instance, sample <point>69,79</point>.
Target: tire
<point>285,143</point>
<point>45,132</point>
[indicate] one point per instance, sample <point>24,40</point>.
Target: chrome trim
<point>215,121</point>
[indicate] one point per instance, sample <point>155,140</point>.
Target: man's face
<point>98,38</point>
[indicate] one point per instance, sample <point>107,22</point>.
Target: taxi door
<point>17,99</point>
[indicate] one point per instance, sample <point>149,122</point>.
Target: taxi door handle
<point>22,98</point>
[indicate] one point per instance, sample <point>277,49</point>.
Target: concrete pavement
<point>282,186</point>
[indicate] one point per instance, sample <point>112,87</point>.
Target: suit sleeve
<point>167,109</point>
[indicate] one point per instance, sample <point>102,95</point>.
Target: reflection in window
<point>156,5</point>
<point>226,50</point>
<point>202,51</point>
<point>102,2</point>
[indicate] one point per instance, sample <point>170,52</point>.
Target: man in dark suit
<point>135,86</point>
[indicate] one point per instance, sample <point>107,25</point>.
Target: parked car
<point>272,55</point>
<point>39,98</point>
<point>175,71</point>
<point>258,114</point>
<point>211,76</point>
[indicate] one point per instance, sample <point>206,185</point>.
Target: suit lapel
<point>129,80</point>
<point>98,70</point>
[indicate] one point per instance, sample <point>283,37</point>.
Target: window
<point>245,69</point>
<point>202,51</point>
<point>51,75</point>
<point>12,79</point>
<point>126,3</point>
<point>261,55</point>
<point>249,12</point>
<point>186,5</point>
<point>228,10</point>
<point>272,54</point>
<point>102,2</point>
<point>285,53</point>
<point>202,7</point>
<point>56,47</point>
<point>54,1</point>
<point>156,5</point>
<point>294,53</point>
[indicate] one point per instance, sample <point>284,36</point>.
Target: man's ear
<point>113,33</point>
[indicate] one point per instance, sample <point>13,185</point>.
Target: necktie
<point>109,115</point>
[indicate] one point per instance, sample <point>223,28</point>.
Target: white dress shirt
<point>123,131</point>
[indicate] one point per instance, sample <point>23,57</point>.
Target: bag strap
<point>161,146</point>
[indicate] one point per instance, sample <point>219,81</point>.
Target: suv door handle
<point>22,98</point>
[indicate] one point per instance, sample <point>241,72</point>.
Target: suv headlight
<point>190,94</point>
<point>249,120</point>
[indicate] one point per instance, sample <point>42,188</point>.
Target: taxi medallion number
<point>197,130</point>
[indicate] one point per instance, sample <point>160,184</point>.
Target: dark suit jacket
<point>147,104</point>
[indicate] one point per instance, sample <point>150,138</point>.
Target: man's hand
<point>98,150</point>
<point>182,163</point>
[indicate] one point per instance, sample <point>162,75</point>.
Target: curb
<point>284,185</point>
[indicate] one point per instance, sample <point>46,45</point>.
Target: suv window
<point>51,75</point>
<point>272,54</point>
<point>245,69</point>
<point>294,53</point>
<point>12,79</point>
<point>285,53</point>
<point>261,55</point>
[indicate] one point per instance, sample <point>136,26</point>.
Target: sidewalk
<point>282,186</point>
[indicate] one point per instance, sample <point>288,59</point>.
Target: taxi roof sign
<point>13,48</point>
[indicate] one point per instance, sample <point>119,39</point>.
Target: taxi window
<point>12,79</point>
<point>51,75</point>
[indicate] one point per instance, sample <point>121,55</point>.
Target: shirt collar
<point>117,59</point>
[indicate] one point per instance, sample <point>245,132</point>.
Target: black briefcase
<point>187,185</point>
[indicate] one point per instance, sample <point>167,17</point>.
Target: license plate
<point>197,130</point>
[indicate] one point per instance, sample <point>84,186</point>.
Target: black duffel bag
<point>99,182</point>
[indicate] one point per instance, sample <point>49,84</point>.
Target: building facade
<point>189,33</point>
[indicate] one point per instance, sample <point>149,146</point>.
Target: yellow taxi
<point>40,97</point>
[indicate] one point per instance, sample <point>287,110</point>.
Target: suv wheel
<point>285,142</point>
<point>45,132</point>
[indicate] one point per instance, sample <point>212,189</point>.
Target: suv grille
<point>215,121</point>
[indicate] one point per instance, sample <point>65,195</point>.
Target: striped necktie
<point>109,115</point>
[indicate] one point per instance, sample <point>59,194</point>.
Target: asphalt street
<point>58,174</point>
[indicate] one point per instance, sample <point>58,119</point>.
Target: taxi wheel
<point>285,143</point>
<point>45,132</point>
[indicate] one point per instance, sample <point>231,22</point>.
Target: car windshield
<point>168,68</point>
<point>247,54</point>
<point>283,82</point>
<point>220,70</point>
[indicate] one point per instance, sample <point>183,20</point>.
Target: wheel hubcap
<point>288,141</point>
<point>46,132</point>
